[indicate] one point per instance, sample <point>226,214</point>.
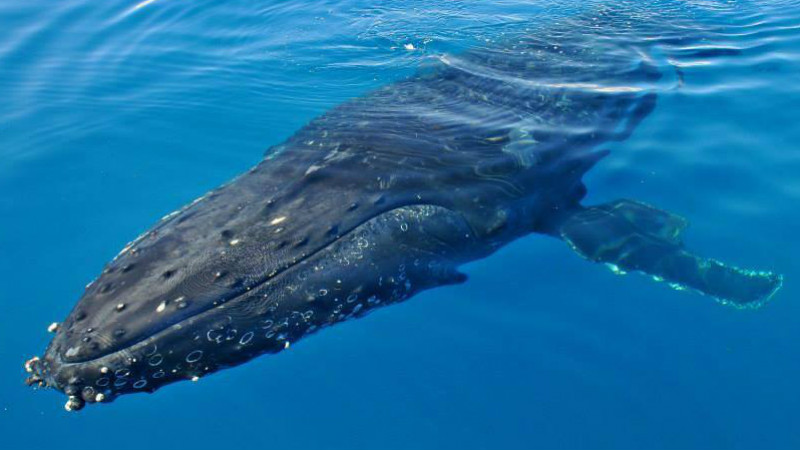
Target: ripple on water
<point>154,96</point>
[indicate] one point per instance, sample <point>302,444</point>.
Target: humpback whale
<point>387,195</point>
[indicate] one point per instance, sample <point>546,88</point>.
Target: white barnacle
<point>104,369</point>
<point>171,215</point>
<point>161,306</point>
<point>53,327</point>
<point>234,242</point>
<point>99,397</point>
<point>29,364</point>
<point>195,378</point>
<point>73,404</point>
<point>409,46</point>
<point>120,306</point>
<point>286,345</point>
<point>277,220</point>
<point>123,251</point>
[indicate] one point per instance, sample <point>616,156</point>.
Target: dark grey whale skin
<point>378,199</point>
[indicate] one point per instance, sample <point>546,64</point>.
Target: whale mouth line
<point>63,362</point>
<point>60,360</point>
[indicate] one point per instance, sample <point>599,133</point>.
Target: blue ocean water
<point>115,113</point>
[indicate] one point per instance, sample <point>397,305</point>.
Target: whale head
<point>189,297</point>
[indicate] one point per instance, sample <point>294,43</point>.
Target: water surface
<point>115,113</point>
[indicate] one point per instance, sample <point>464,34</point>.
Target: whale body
<point>385,196</point>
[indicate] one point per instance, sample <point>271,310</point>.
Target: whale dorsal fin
<point>633,236</point>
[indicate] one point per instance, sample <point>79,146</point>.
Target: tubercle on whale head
<point>39,376</point>
<point>35,375</point>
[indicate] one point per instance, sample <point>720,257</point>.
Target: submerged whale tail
<point>633,236</point>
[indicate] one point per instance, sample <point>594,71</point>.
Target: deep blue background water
<point>112,115</point>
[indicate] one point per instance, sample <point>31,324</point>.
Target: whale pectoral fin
<point>632,236</point>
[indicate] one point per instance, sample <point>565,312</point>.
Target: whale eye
<point>168,274</point>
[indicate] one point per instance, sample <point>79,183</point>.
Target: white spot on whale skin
<point>312,169</point>
<point>73,404</point>
<point>99,397</point>
<point>53,327</point>
<point>29,364</point>
<point>161,307</point>
<point>235,242</point>
<point>277,220</point>
<point>72,351</point>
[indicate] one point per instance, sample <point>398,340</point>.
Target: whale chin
<point>172,354</point>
